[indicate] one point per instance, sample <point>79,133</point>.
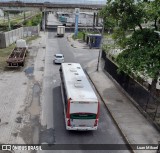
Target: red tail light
<point>68,109</point>
<point>68,113</point>
<point>97,116</point>
<point>96,122</point>
<point>69,123</point>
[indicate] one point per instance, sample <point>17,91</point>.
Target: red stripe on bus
<point>68,109</point>
<point>97,116</point>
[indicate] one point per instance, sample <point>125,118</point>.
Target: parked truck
<point>60,31</point>
<point>17,56</point>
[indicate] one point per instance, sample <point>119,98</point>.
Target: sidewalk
<point>133,125</point>
<point>77,43</point>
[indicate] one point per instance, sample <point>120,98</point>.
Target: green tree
<point>127,13</point>
<point>108,21</point>
<point>141,51</point>
<point>142,56</point>
<point>152,9</point>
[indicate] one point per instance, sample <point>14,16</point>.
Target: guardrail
<point>92,6</point>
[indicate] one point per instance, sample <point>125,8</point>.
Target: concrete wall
<point>7,38</point>
<point>11,36</point>
<point>1,13</point>
<point>30,31</point>
<point>2,40</point>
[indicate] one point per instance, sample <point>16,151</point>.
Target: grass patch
<point>5,52</point>
<point>79,36</point>
<point>29,39</point>
<point>33,21</point>
<point>81,33</point>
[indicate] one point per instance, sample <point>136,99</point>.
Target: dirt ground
<point>20,95</point>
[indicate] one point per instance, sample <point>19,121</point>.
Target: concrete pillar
<point>43,21</point>
<point>77,10</point>
<point>94,17</point>
<point>97,19</point>
<point>76,25</point>
<point>46,16</point>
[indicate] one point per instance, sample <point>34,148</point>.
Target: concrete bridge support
<point>95,19</point>
<point>44,20</point>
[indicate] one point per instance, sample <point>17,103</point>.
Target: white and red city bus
<point>81,105</point>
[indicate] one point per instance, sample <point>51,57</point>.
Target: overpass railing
<point>86,2</point>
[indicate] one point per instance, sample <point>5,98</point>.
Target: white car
<point>59,58</point>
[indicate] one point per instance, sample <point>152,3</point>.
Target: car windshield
<point>58,56</point>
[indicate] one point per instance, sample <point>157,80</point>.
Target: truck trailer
<point>17,56</point>
<point>60,31</point>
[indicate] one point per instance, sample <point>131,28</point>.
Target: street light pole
<point>100,50</point>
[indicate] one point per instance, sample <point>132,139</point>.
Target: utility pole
<point>97,18</point>
<point>94,18</point>
<point>9,23</point>
<point>100,49</point>
<point>44,20</point>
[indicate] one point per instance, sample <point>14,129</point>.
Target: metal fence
<point>141,96</point>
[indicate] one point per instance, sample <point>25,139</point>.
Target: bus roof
<point>76,83</point>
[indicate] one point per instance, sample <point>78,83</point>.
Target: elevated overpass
<point>47,6</point>
<point>58,6</point>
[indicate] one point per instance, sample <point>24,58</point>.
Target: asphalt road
<point>53,124</point>
<point>52,106</point>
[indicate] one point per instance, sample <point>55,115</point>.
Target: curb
<point>72,44</point>
<point>68,39</point>
<point>120,130</point>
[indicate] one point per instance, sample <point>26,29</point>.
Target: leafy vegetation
<point>33,21</point>
<point>18,21</point>
<point>29,39</point>
<point>141,48</point>
<point>4,53</point>
<point>79,35</point>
